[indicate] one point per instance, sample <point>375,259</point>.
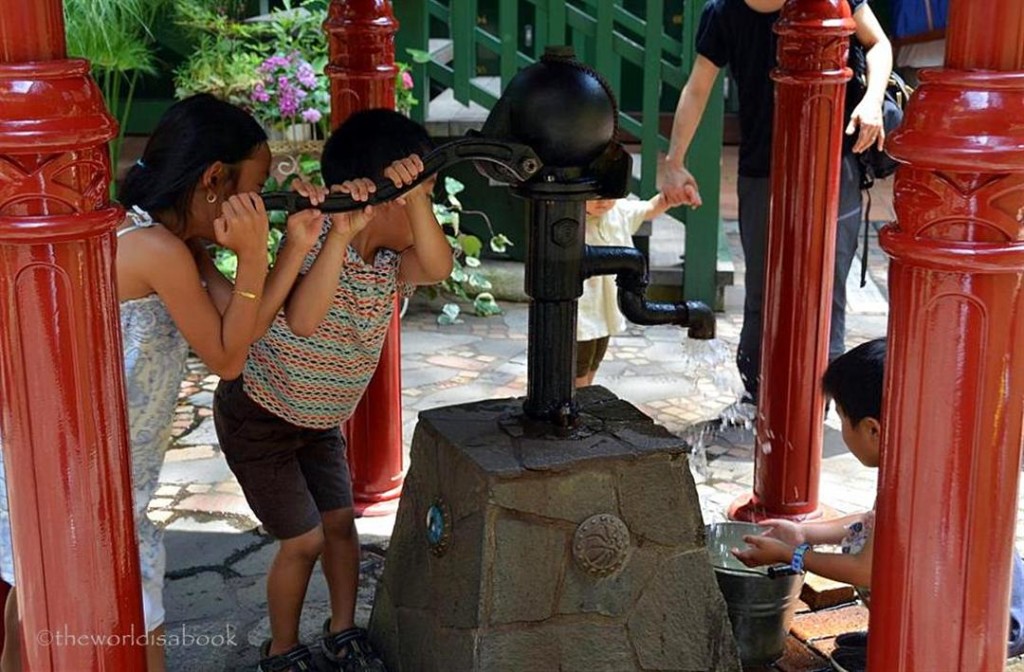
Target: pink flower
<point>273,63</point>
<point>259,94</point>
<point>306,75</point>
<point>311,116</point>
<point>407,80</point>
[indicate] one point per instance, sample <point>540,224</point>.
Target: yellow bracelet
<point>246,295</point>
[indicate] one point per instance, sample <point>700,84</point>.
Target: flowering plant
<point>404,98</point>
<point>291,91</point>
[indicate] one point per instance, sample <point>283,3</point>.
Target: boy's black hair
<point>192,135</point>
<point>368,142</point>
<point>854,381</point>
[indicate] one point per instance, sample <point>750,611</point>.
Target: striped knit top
<point>317,381</point>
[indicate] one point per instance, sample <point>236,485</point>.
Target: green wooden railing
<point>612,36</point>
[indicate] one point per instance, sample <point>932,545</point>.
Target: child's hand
<point>243,226</point>
<point>304,227</point>
<point>763,550</point>
<point>359,189</point>
<point>348,224</point>
<point>406,171</point>
<point>785,531</point>
<point>315,193</point>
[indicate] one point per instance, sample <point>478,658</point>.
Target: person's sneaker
<point>850,659</point>
<point>349,650</point>
<point>853,640</point>
<point>297,659</point>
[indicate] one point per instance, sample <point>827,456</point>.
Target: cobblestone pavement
<point>217,556</point>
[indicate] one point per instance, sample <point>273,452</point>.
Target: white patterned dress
<point>154,362</point>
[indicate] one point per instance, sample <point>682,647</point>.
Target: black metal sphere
<point>561,109</point>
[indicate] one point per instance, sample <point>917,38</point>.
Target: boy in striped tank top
<point>278,423</point>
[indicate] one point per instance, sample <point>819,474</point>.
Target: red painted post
<point>810,88</point>
<point>62,416</point>
<point>362,71</point>
<point>954,404</point>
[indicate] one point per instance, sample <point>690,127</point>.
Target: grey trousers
<point>753,201</point>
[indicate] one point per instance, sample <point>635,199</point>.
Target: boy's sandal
<point>846,659</point>
<point>297,659</point>
<point>350,650</point>
<point>853,640</point>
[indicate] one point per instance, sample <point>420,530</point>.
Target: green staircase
<point>644,48</point>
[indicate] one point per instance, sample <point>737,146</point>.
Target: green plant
<point>289,92</point>
<point>465,281</point>
<point>220,60</point>
<point>404,98</point>
<point>116,36</point>
<point>229,51</point>
<point>233,60</point>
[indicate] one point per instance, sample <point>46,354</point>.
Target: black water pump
<point>552,137</point>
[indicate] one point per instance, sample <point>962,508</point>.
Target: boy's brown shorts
<point>289,474</point>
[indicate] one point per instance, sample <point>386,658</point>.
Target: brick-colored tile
<point>800,658</point>
<point>824,646</point>
<point>821,593</point>
<point>830,622</point>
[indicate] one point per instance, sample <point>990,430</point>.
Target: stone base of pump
<point>514,550</point>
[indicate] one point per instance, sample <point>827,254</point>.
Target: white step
<point>447,117</point>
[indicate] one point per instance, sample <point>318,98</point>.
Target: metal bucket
<point>761,604</point>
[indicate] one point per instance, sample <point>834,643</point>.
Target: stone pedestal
<point>517,551</point>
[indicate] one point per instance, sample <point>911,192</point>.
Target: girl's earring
<point>211,197</point>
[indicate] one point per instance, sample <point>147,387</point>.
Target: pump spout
<point>629,267</point>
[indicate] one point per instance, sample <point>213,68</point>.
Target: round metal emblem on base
<point>600,544</point>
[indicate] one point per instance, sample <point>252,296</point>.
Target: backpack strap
<point>864,254</point>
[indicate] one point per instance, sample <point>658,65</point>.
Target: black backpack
<point>876,164</point>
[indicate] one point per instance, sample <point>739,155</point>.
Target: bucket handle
<point>777,571</point>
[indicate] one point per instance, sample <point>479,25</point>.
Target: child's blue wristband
<point>797,563</point>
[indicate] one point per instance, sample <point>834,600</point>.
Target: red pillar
<point>954,403</point>
<point>362,71</point>
<point>62,416</point>
<point>810,88</point>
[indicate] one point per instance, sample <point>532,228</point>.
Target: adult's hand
<point>679,187</point>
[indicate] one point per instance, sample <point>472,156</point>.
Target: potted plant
<point>291,98</point>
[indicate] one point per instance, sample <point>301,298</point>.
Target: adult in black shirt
<point>738,34</point>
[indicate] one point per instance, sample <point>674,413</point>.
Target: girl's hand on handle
<point>243,226</point>
<point>315,193</point>
<point>359,189</point>
<point>304,227</point>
